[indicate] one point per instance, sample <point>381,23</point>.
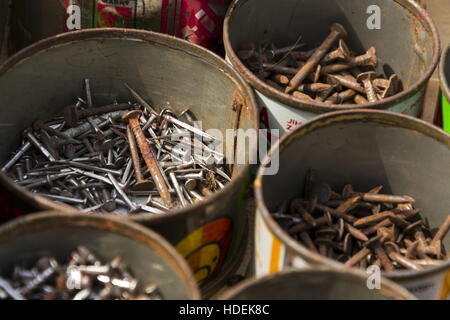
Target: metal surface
<point>407,44</point>
<point>163,70</point>
<point>318,284</point>
<point>444,72</point>
<point>4,27</point>
<point>365,148</point>
<point>150,258</point>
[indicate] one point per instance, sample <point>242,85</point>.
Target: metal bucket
<point>150,258</point>
<point>407,44</point>
<point>40,80</point>
<point>318,284</point>
<point>444,73</point>
<point>365,148</point>
<point>199,22</point>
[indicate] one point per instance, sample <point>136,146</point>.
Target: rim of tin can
<point>47,220</point>
<point>154,38</point>
<point>319,107</point>
<point>445,79</point>
<point>388,287</point>
<point>384,117</point>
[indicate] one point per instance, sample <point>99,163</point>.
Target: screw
<point>133,121</point>
<point>375,245</point>
<point>342,53</point>
<point>279,69</point>
<point>276,52</point>
<point>366,79</point>
<point>177,188</point>
<point>141,183</point>
<point>38,145</point>
<point>359,99</point>
<point>393,252</point>
<point>337,32</point>
<point>440,235</point>
<point>347,83</point>
<point>367,60</point>
<point>392,87</point>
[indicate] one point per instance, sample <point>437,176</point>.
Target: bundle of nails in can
<point>330,73</point>
<point>84,277</point>
<point>363,229</point>
<point>123,158</point>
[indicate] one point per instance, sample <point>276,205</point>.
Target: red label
<point>114,15</point>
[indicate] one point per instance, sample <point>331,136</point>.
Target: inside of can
<point>366,153</point>
<point>404,41</point>
<point>146,264</point>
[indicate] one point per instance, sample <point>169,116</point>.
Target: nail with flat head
<point>337,32</point>
<point>133,122</point>
<point>366,79</point>
<point>341,53</point>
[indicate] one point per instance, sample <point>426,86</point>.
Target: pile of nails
<point>93,158</point>
<point>362,229</point>
<point>330,73</point>
<point>84,277</point>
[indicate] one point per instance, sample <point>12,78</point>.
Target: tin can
<point>149,257</point>
<point>211,234</point>
<point>407,44</point>
<point>314,284</point>
<point>198,21</point>
<point>365,148</point>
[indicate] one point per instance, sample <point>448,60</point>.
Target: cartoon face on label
<point>205,249</point>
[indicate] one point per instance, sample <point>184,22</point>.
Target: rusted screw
<point>141,183</point>
<point>440,235</point>
<point>367,60</point>
<point>376,245</point>
<point>342,53</point>
<point>345,82</point>
<point>366,79</point>
<point>392,87</point>
<point>133,121</point>
<point>359,99</point>
<point>337,32</point>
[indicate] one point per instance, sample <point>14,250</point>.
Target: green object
<point>445,114</point>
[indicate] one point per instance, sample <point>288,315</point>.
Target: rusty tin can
<point>309,284</point>
<point>365,148</point>
<point>150,257</point>
<point>407,44</point>
<point>212,233</point>
<point>198,21</point>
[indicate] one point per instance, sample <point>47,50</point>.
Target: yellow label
<point>446,286</point>
<point>205,249</point>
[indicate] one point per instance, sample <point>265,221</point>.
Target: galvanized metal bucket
<point>407,44</point>
<point>150,258</point>
<point>444,72</point>
<point>317,284</point>
<point>40,80</point>
<point>365,148</point>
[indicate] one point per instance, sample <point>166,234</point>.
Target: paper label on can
<point>276,115</point>
<point>269,251</point>
<point>115,13</point>
<point>427,288</point>
<point>206,248</point>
